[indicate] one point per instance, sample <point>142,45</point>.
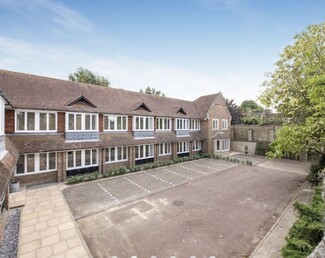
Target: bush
<point>83,178</point>
<point>307,231</point>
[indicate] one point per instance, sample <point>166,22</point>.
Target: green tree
<point>250,106</point>
<point>152,91</point>
<point>296,89</point>
<point>87,76</point>
<point>235,111</point>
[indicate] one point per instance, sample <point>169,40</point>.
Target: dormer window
<point>81,122</point>
<point>195,124</point>
<point>35,121</point>
<point>163,124</point>
<point>115,123</point>
<point>182,124</point>
<point>142,123</point>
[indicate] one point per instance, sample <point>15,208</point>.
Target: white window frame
<point>164,149</point>
<point>83,122</point>
<point>224,124</point>
<point>36,164</point>
<point>196,145</point>
<point>182,124</point>
<point>83,159</point>
<point>36,121</point>
<point>143,146</point>
<point>114,117</point>
<point>161,122</point>
<point>108,154</point>
<point>2,116</point>
<point>195,124</point>
<point>215,124</point>
<point>224,145</point>
<point>183,147</point>
<point>144,118</point>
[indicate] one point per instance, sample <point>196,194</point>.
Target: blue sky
<point>185,48</point>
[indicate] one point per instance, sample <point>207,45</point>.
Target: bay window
<point>142,123</point>
<point>35,121</point>
<point>115,123</point>
<point>181,124</point>
<point>81,122</point>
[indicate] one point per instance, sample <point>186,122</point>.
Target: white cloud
<point>62,15</point>
<point>124,72</point>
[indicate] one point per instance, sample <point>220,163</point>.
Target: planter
<point>14,187</point>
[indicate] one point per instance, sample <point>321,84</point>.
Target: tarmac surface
<point>201,208</point>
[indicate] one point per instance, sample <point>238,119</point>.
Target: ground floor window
<point>116,154</point>
<point>196,145</point>
<point>222,145</point>
<point>36,163</point>
<point>182,147</point>
<point>165,149</point>
<point>144,151</point>
<point>82,158</point>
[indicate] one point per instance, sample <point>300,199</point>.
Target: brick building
<point>51,128</point>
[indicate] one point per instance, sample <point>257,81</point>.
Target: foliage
<point>235,111</point>
<point>83,178</point>
<point>87,76</point>
<point>250,106</point>
<point>250,120</point>
<point>152,91</point>
<point>314,171</point>
<point>307,231</point>
<point>296,89</point>
<point>261,148</point>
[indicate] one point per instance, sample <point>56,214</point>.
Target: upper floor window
<point>181,124</point>
<point>144,151</point>
<point>35,121</point>
<point>116,154</point>
<point>115,123</point>
<point>163,123</point>
<point>224,124</point>
<point>142,123</point>
<point>82,158</point>
<point>182,147</point>
<point>36,163</point>
<point>196,145</point>
<point>81,122</point>
<point>165,149</point>
<point>195,124</point>
<point>215,124</point>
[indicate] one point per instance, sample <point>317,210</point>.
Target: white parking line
<point>108,193</point>
<point>178,174</point>
<point>132,182</point>
<point>159,178</point>
<point>194,170</point>
<point>204,166</point>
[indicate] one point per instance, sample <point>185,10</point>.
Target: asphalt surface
<point>96,196</point>
<point>221,213</point>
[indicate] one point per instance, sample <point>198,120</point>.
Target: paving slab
<point>47,228</point>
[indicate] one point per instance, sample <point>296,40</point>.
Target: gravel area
<point>9,246</point>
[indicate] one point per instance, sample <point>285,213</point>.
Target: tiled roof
<point>203,103</point>
<point>35,92</point>
<point>7,164</point>
<point>41,143</point>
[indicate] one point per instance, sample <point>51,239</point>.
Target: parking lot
<point>96,196</point>
<point>200,208</point>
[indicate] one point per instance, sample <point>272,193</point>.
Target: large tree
<point>296,88</point>
<point>250,106</point>
<point>87,76</point>
<point>152,91</point>
<point>235,111</point>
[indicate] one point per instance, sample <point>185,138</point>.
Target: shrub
<point>83,178</point>
<point>307,231</point>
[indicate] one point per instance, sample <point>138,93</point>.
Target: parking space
<point>224,213</point>
<point>99,195</point>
